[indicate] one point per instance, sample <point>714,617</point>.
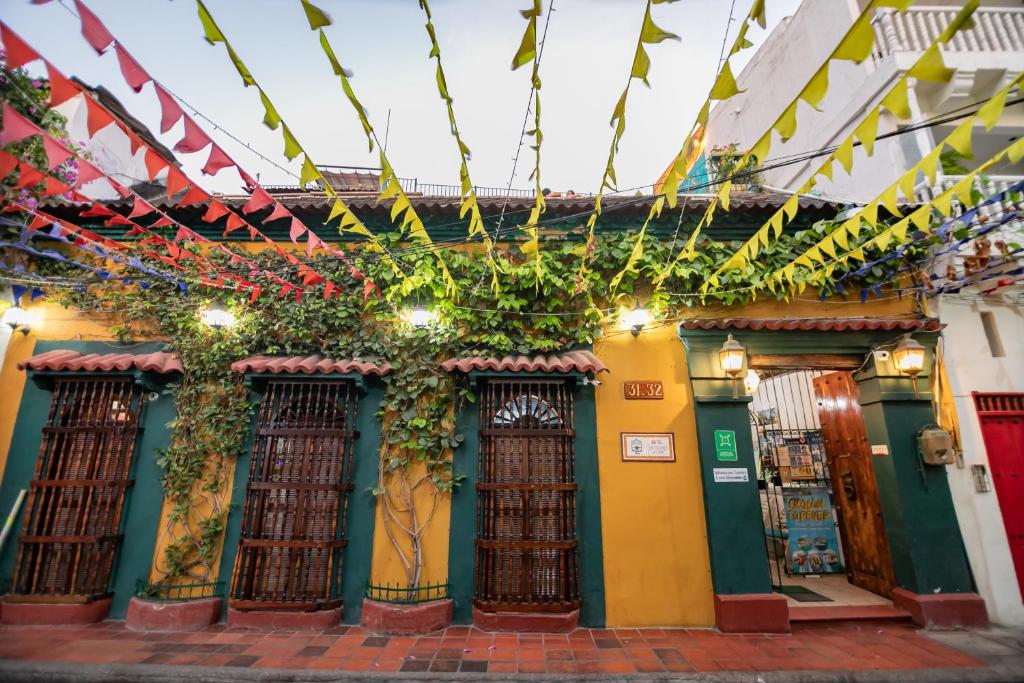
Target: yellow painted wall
<point>656,567</point>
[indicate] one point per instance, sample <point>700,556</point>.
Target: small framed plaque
<point>648,447</point>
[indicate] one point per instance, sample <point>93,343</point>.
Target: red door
<point>1002,427</point>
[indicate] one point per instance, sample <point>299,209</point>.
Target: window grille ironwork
<point>526,498</point>
<point>293,523</point>
<point>76,498</point>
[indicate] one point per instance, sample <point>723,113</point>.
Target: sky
<point>585,65</point>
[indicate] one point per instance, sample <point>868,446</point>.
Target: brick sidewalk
<point>460,648</point>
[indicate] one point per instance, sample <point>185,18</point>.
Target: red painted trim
<point>535,622</point>
<point>406,620</point>
<point>303,621</point>
<point>943,610</point>
<point>39,614</point>
<point>151,615</point>
<point>752,613</point>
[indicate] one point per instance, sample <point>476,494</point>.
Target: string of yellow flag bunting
<point>928,67</point>
<point>650,34</point>
<point>292,149</point>
<point>403,214</point>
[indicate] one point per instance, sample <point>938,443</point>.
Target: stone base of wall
<point>943,610</point>
<point>535,622</point>
<point>52,613</point>
<point>752,613</point>
<point>191,615</point>
<point>302,621</point>
<point>406,620</point>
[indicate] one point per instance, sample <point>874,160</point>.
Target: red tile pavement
<point>466,649</point>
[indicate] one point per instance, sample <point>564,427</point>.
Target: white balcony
<point>996,29</point>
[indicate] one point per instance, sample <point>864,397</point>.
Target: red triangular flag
<point>141,208</point>
<point>40,221</point>
<point>171,112</point>
<point>87,173</point>
<point>256,291</point>
<point>8,162</point>
<point>194,139</point>
<point>297,228</point>
<point>61,89</point>
<point>120,189</point>
<point>93,29</point>
<point>97,118</point>
<point>134,75</point>
<point>16,51</point>
<point>96,210</point>
<point>280,211</point>
<point>216,210</point>
<point>312,242</point>
<point>246,178</point>
<point>196,195</point>
<point>16,126</point>
<point>184,234</point>
<point>56,153</point>
<point>368,288</point>
<point>176,181</point>
<point>328,288</point>
<point>154,163</point>
<point>116,219</point>
<point>257,201</point>
<point>217,161</point>
<point>234,223</point>
<point>54,186</point>
<point>162,221</point>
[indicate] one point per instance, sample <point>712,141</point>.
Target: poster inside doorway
<point>812,546</point>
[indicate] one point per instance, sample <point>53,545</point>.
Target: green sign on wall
<point>725,444</point>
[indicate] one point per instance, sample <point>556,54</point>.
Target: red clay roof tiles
<point>815,324</point>
<point>571,361</point>
<point>72,361</point>
<point>309,365</point>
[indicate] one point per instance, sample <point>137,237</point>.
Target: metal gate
<point>293,524</point>
<point>792,467</point>
<point>75,500</point>
<point>526,498</point>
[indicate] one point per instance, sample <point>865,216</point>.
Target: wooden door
<point>1002,428</point>
<point>854,489</point>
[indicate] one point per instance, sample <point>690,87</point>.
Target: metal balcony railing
<point>987,186</point>
<point>996,29</point>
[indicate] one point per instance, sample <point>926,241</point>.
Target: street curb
<point>37,672</point>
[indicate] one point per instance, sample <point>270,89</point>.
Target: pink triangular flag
<point>93,29</point>
<point>141,208</point>
<point>194,139</point>
<point>218,160</point>
<point>56,153</point>
<point>170,111</point>
<point>16,126</point>
<point>134,75</point>
<point>257,201</point>
<point>297,228</point>
<point>280,211</point>
<point>16,51</point>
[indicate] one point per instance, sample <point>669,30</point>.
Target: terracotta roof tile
<point>815,324</point>
<point>72,361</point>
<point>309,365</point>
<point>571,361</point>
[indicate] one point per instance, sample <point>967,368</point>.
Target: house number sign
<point>643,390</point>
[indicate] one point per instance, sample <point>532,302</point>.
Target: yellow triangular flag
<point>888,200</point>
<point>776,223</point>
<point>844,154</point>
<point>882,241</point>
<point>870,213</point>
<point>867,131</point>
<point>856,45</point>
<point>921,217</point>
<point>828,246</point>
<point>930,164</point>
<point>899,231</point>
<point>786,123</point>
<point>839,236</point>
<point>962,190</point>
<point>725,86</point>
<point>858,254</point>
<point>990,112</point>
<point>759,152</point>
<point>897,101</point>
<point>852,225</point>
<point>816,88</point>
<point>960,138</point>
<point>723,194</point>
<point>791,206</point>
<point>815,253</point>
<point>930,67</point>
<point>943,202</point>
<point>907,183</point>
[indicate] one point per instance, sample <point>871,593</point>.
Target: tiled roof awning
<point>307,365</point>
<point>572,361</point>
<point>816,324</point>
<point>159,362</point>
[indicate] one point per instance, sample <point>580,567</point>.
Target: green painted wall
<point>461,548</point>
<point>358,552</point>
<point>141,515</point>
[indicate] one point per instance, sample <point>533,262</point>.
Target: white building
<point>984,334</point>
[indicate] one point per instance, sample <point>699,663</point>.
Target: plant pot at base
<point>188,615</point>
<point>406,619</point>
<point>300,621</point>
<point>51,613</point>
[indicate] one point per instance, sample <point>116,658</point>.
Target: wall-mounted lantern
<point>636,320</point>
<point>420,317</point>
<point>732,358</point>
<point>908,357</point>
<point>17,318</point>
<point>219,317</point>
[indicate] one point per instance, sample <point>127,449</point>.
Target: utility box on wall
<point>935,445</point>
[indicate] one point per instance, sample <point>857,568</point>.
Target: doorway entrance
<point>824,536</point>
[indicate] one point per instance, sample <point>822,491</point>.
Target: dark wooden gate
<point>526,498</point>
<point>293,524</point>
<point>1002,428</point>
<point>855,490</point>
<point>73,512</point>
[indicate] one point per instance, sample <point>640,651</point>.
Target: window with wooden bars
<point>293,523</point>
<point>526,498</point>
<point>75,500</point>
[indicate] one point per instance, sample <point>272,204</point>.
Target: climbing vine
<point>532,313</point>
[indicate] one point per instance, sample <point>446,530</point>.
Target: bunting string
<point>403,213</point>
<point>929,66</point>
<point>650,34</point>
<point>292,149</point>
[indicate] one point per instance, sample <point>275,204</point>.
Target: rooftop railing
<point>996,29</point>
